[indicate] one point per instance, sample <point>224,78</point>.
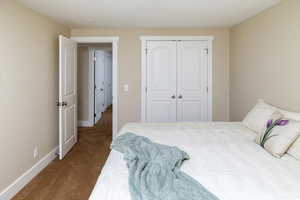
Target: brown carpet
<point>74,177</point>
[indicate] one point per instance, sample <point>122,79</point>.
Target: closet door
<point>106,66</point>
<point>192,65</point>
<point>161,81</point>
<point>99,85</point>
<point>108,81</point>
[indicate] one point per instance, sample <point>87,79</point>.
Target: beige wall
<point>29,88</point>
<point>265,60</point>
<point>129,59</point>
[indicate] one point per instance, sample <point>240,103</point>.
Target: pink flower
<point>282,122</point>
<point>269,123</point>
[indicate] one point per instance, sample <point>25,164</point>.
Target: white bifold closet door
<point>177,79</point>
<point>192,78</point>
<point>161,81</point>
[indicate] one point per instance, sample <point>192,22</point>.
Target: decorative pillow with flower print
<point>279,135</point>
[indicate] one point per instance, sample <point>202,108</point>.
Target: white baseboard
<point>85,124</point>
<point>24,179</point>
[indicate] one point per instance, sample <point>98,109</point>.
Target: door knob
<point>180,97</point>
<point>61,104</point>
<point>173,96</point>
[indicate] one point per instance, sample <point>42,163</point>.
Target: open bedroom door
<point>67,95</point>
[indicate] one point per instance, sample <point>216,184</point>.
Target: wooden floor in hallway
<point>74,177</point>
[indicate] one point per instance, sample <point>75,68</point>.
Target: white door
<point>108,81</point>
<point>192,95</point>
<point>161,81</point>
<point>67,95</point>
<point>99,85</point>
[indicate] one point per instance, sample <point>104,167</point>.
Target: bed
<point>224,159</point>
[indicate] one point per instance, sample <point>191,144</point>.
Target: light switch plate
<point>126,87</point>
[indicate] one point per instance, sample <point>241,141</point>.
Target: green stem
<point>267,133</point>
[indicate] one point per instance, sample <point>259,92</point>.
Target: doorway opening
<point>94,82</point>
<point>97,80</point>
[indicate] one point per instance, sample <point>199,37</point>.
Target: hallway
<point>74,177</point>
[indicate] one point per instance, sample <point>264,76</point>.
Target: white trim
<point>144,80</point>
<point>96,39</point>
<point>210,80</point>
<point>144,40</point>
<point>114,40</point>
<point>186,38</point>
<point>25,178</point>
<point>85,124</point>
<point>115,87</point>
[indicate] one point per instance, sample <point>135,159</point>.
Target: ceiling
<point>149,13</point>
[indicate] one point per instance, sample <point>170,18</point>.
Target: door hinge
<point>146,90</point>
<point>206,50</point>
<point>207,89</point>
<point>95,115</point>
<point>146,50</point>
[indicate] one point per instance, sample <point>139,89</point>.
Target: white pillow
<point>287,114</point>
<point>295,149</point>
<point>279,135</point>
<point>290,115</point>
<point>256,119</point>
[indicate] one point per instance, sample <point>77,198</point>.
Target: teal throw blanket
<point>154,172</point>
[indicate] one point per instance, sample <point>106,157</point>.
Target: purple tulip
<point>282,122</point>
<point>269,123</point>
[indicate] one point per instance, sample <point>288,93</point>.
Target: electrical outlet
<point>35,152</point>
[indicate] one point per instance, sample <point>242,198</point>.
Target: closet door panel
<point>161,81</point>
<point>189,110</point>
<point>192,75</point>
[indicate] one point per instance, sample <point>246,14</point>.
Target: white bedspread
<point>224,159</point>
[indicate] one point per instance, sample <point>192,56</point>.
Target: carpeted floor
<point>74,177</point>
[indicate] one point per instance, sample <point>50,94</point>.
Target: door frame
<point>114,40</point>
<point>144,39</point>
